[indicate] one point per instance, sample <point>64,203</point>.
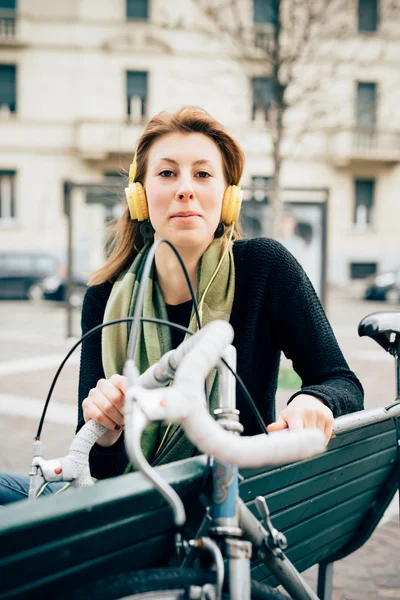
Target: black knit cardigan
<point>275,309</point>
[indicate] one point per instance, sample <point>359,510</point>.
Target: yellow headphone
<point>137,202</point>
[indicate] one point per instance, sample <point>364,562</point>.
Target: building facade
<point>79,78</point>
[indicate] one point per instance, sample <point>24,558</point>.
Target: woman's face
<point>184,187</point>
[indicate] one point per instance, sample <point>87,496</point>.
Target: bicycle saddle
<point>380,326</point>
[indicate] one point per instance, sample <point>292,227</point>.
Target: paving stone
<point>358,576</point>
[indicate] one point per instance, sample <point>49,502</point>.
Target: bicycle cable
<point>163,322</point>
<point>87,335</point>
<point>134,333</point>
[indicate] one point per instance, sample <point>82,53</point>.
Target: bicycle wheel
<point>160,584</point>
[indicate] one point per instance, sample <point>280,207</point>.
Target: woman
<point>185,163</point>
<point>183,188</point>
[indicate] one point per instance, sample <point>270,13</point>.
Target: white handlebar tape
<point>76,463</point>
<point>74,466</point>
<point>160,374</point>
<point>156,375</point>
<point>185,403</point>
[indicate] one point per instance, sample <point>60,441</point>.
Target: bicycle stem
<point>225,475</point>
<point>225,518</point>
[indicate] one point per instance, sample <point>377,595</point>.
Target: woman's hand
<point>303,412</point>
<point>105,404</point>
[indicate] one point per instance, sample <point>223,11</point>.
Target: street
<point>33,344</point>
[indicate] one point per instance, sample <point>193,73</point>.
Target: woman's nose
<point>185,191</point>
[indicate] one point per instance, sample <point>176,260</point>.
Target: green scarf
<point>154,340</point>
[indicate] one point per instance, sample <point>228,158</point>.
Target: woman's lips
<point>185,216</point>
<point>186,213</point>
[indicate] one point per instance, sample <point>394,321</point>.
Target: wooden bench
<point>327,507</point>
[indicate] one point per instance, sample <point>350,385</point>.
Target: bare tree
<point>296,46</point>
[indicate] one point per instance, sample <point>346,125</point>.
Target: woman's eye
<point>203,174</point>
<point>166,173</point>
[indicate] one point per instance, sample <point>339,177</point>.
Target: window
<point>136,90</point>
<point>18,263</point>
<point>261,188</point>
<point>7,195</point>
<point>137,10</point>
<point>263,96</point>
<point>366,104</point>
<point>110,197</point>
<point>116,174</point>
<point>367,15</point>
<point>7,19</point>
<point>45,264</point>
<point>364,202</point>
<point>362,270</point>
<point>251,225</point>
<point>8,5</point>
<point>265,11</point>
<point>8,100</point>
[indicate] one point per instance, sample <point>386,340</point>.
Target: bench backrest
<point>321,504</point>
<point>328,506</point>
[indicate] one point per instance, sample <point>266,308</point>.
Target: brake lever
<point>72,467</point>
<point>275,540</point>
<point>135,423</point>
<point>36,481</point>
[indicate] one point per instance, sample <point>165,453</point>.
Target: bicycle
<point>234,530</point>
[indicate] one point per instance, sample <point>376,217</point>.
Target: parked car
<point>21,273</point>
<point>384,286</point>
<point>55,288</point>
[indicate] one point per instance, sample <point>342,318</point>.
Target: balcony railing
<point>364,144</point>
<point>263,35</point>
<point>99,140</point>
<point>372,141</point>
<point>8,26</point>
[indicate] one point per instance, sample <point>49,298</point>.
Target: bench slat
<point>335,459</point>
<point>308,489</point>
<point>308,508</point>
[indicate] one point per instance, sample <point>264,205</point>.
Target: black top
<point>275,309</point>
<point>179,314</point>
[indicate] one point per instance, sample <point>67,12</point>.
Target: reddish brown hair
<point>125,239</point>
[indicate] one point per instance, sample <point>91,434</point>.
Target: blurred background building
<point>80,78</point>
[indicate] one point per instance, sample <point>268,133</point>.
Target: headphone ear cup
<point>137,202</point>
<point>231,204</point>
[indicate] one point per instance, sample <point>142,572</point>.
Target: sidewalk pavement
<point>370,573</point>
<point>32,343</point>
